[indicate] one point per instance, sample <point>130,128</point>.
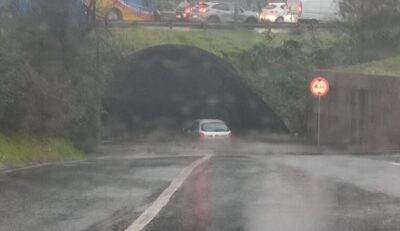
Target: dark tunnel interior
<point>168,85</point>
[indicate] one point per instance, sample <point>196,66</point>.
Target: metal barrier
<point>171,24</point>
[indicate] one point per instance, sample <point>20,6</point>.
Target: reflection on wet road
<point>285,193</point>
<point>90,195</point>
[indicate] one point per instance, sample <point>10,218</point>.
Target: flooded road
<point>284,193</point>
<point>245,186</point>
<point>87,195</point>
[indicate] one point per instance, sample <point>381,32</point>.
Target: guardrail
<point>230,26</point>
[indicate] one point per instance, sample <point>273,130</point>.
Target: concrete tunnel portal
<point>168,85</point>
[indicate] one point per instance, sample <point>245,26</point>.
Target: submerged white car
<point>208,129</point>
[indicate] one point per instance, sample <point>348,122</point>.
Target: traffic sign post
<point>319,87</point>
<point>319,122</point>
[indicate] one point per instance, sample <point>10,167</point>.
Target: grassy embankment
<point>385,67</point>
<point>219,42</point>
<point>19,150</point>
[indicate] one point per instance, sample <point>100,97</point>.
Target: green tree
<point>280,76</point>
<point>372,26</point>
<point>49,73</point>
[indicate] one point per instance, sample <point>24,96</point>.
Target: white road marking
<point>395,163</point>
<point>146,157</point>
<point>151,212</point>
<point>72,162</point>
<point>39,166</point>
<point>24,168</point>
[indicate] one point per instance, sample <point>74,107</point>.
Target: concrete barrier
<point>360,112</point>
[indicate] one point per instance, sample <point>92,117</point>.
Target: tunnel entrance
<point>168,85</point>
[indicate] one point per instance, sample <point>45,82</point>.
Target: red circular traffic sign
<point>319,87</point>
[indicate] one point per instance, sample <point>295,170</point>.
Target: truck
<point>311,10</point>
<point>319,10</point>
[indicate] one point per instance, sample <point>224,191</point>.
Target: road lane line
<point>24,168</point>
<point>395,163</point>
<point>39,166</point>
<point>62,163</point>
<point>151,212</point>
<point>145,157</point>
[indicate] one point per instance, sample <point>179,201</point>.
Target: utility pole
<point>236,13</point>
<point>93,8</point>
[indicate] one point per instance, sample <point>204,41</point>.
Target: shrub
<point>280,76</point>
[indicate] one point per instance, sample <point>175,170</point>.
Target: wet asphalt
<point>280,193</point>
<point>250,187</point>
<point>89,195</point>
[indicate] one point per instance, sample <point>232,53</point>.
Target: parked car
<point>277,2</point>
<point>278,13</point>
<point>220,12</point>
<point>183,11</point>
<point>208,129</point>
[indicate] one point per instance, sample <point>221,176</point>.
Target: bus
<point>137,10</point>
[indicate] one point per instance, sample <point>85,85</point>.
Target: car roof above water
<point>210,121</point>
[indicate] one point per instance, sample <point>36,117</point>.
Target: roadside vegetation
<point>219,42</point>
<point>49,82</point>
<point>19,150</point>
<point>372,29</point>
<point>280,77</point>
<point>384,67</point>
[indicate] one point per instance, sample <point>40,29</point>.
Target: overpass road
<point>191,26</point>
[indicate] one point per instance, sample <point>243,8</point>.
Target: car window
<point>270,7</point>
<point>277,1</point>
<point>222,6</point>
<point>201,5</point>
<point>214,127</point>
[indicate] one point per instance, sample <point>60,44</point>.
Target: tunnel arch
<point>167,85</point>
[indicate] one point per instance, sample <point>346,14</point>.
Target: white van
<point>319,10</point>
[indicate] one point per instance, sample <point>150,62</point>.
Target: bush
<point>25,149</point>
<point>372,26</point>
<point>49,83</point>
<point>280,76</point>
